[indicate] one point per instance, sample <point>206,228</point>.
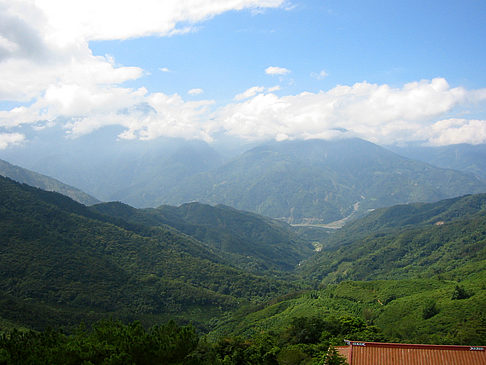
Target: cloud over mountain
<point>51,75</point>
<point>379,113</point>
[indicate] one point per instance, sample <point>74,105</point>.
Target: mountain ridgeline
<point>32,178</point>
<point>410,272</point>
<point>406,241</point>
<point>63,262</point>
<point>318,181</point>
<point>311,181</point>
<point>460,157</point>
<point>247,240</point>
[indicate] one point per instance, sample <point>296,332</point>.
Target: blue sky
<point>388,71</point>
<point>353,41</point>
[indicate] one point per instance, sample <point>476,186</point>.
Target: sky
<point>391,72</point>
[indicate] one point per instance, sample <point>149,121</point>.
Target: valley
<point>411,270</point>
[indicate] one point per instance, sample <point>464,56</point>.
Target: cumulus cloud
<point>46,63</point>
<point>7,139</point>
<point>252,91</point>
<point>378,113</point>
<point>97,20</point>
<point>195,91</point>
<point>454,131</point>
<point>274,70</point>
<point>319,75</point>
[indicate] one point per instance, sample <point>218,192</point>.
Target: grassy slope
<point>396,306</point>
<point>402,243</point>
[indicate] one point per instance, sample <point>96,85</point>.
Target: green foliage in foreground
<point>306,341</point>
<point>414,311</point>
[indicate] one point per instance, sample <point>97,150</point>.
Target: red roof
<point>377,353</point>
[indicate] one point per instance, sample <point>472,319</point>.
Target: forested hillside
<point>407,241</point>
<point>248,240</point>
<point>317,181</point>
<point>62,263</point>
<point>423,266</point>
<point>408,273</point>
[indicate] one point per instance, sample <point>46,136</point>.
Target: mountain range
<point>232,272</point>
<point>462,157</point>
<point>300,182</point>
<point>317,181</point>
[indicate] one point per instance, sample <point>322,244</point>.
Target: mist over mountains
<point>311,181</point>
<point>233,272</point>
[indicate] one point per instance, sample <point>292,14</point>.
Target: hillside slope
<point>62,261</point>
<point>317,181</point>
<point>415,271</point>
<point>461,157</point>
<point>247,240</point>
<point>409,241</point>
<point>44,182</point>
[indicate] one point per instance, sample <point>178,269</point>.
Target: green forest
<point>201,284</point>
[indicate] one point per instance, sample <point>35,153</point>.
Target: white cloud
<point>7,139</point>
<point>195,91</point>
<point>46,63</point>
<point>274,70</point>
<point>167,115</point>
<point>97,20</point>
<point>378,113</point>
<point>164,69</point>
<point>454,131</point>
<point>252,91</point>
<point>320,75</point>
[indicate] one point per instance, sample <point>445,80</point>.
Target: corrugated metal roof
<point>377,353</point>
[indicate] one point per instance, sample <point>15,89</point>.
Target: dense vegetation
<point>409,273</point>
<point>62,262</point>
<point>321,181</point>
<point>247,240</point>
<point>409,241</point>
<point>112,342</point>
<point>414,311</point>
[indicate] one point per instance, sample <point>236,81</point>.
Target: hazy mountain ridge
<point>461,157</point>
<point>137,172</point>
<point>44,182</point>
<point>311,181</point>
<point>321,181</point>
